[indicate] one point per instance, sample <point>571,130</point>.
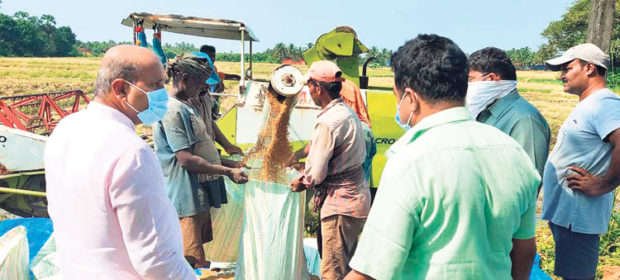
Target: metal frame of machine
<point>41,111</point>
<point>23,186</point>
<point>203,27</point>
<point>26,119</point>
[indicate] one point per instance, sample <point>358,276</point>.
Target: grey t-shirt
<point>581,143</point>
<point>172,134</point>
<point>203,128</point>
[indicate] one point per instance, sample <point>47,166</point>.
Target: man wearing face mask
<point>493,99</point>
<point>105,188</point>
<point>457,198</point>
<point>189,158</point>
<point>584,166</point>
<point>334,168</point>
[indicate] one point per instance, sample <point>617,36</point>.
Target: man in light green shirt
<point>493,89</point>
<point>457,198</point>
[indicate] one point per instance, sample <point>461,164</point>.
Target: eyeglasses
<point>484,75</point>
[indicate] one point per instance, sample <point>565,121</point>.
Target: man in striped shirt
<point>334,168</point>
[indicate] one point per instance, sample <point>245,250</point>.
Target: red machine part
<point>39,113</point>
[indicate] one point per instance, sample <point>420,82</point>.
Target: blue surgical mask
<point>158,105</point>
<point>406,126</point>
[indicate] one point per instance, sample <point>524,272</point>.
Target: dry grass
<point>35,75</point>
<point>542,89</point>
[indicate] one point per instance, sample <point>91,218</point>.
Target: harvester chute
<point>341,46</point>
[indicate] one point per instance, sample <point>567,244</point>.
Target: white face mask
<point>481,94</point>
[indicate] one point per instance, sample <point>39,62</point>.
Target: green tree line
<point>24,35</point>
<point>381,57</point>
<point>562,34</point>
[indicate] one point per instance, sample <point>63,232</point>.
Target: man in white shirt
<point>105,188</point>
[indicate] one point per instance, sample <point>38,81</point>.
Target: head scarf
<point>189,64</point>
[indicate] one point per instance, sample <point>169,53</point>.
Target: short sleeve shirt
<point>172,134</point>
<point>452,196</point>
<point>581,142</point>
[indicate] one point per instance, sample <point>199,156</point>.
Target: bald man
<point>105,188</point>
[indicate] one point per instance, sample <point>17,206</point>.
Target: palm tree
<point>290,51</point>
<point>48,19</point>
<point>279,51</point>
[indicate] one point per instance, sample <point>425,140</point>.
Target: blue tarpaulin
<point>537,273</point>
<point>38,231</point>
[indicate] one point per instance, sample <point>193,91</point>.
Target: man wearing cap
<point>584,166</point>
<point>334,168</point>
<point>217,77</point>
<point>211,52</point>
<point>351,95</point>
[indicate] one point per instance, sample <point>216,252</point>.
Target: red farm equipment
<point>26,121</point>
<point>39,113</point>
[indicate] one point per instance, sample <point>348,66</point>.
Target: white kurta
<point>107,200</point>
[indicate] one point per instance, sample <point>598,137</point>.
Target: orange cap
<point>324,71</point>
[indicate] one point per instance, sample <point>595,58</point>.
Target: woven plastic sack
<point>38,231</point>
<point>227,223</point>
<point>45,265</point>
<point>272,233</point>
<point>14,254</point>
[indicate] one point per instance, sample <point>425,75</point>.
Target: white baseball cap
<point>585,52</point>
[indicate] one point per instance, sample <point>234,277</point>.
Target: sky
<point>473,24</point>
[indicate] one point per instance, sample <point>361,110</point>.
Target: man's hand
<point>238,176</point>
<point>299,166</point>
<point>297,186</point>
<point>232,149</point>
<point>293,162</point>
<point>235,164</point>
<point>239,164</point>
<point>522,256</point>
<point>220,87</point>
<point>586,183</point>
<point>232,163</point>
